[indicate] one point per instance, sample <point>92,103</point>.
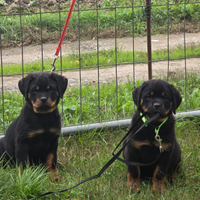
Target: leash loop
<point>53,67</point>
<point>63,34</point>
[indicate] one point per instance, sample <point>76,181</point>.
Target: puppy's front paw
<point>133,183</point>
<point>158,187</point>
<point>54,177</point>
<point>134,187</point>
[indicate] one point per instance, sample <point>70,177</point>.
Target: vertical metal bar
<point>21,38</point>
<point>2,91</point>
<point>62,112</point>
<point>148,23</point>
<point>60,35</point>
<point>185,58</point>
<point>42,56</point>
<point>97,13</point>
<point>133,45</point>
<point>80,62</point>
<point>133,30</point>
<point>168,40</point>
<point>116,58</point>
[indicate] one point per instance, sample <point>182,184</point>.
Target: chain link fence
<point>110,47</point>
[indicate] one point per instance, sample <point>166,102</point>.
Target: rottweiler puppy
<point>154,96</point>
<point>33,137</point>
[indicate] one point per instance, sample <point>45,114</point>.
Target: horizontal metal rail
<point>74,130</point>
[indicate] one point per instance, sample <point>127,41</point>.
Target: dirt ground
<point>34,52</point>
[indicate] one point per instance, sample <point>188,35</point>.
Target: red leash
<point>63,35</point>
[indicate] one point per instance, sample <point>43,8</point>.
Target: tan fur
<point>158,185</point>
<point>35,132</point>
<point>139,144</point>
<point>49,163</point>
<point>133,182</point>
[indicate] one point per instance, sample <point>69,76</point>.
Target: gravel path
<point>33,53</point>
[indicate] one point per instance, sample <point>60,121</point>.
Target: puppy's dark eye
<point>35,89</point>
<point>50,88</point>
<point>149,96</point>
<point>165,97</point>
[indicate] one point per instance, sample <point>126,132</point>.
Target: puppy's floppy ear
<point>136,94</point>
<point>23,85</point>
<point>62,83</point>
<point>176,98</point>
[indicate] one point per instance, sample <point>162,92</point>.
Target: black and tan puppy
<point>33,137</point>
<point>154,96</point>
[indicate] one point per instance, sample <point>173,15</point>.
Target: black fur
<point>33,137</point>
<point>152,97</point>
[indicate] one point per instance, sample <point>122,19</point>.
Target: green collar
<point>144,119</point>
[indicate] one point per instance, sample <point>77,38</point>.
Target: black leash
<point>137,164</point>
<point>115,156</point>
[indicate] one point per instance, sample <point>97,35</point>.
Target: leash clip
<point>157,138</point>
<point>53,64</point>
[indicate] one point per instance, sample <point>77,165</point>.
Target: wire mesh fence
<point>107,51</point>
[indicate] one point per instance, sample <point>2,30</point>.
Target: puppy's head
<point>43,90</point>
<point>157,96</point>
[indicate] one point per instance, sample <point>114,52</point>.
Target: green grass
<point>107,103</point>
<point>105,58</point>
<point>84,155</point>
<point>30,26</point>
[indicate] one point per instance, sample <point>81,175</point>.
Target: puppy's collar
<point>144,119</point>
<point>157,136</point>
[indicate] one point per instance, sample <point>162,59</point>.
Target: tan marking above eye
<point>163,94</point>
<point>152,93</point>
<point>48,87</point>
<point>37,88</point>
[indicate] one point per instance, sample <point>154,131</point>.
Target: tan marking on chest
<point>32,134</point>
<point>138,144</point>
<point>55,131</point>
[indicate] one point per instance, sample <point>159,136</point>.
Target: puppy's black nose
<point>156,105</point>
<point>43,99</point>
